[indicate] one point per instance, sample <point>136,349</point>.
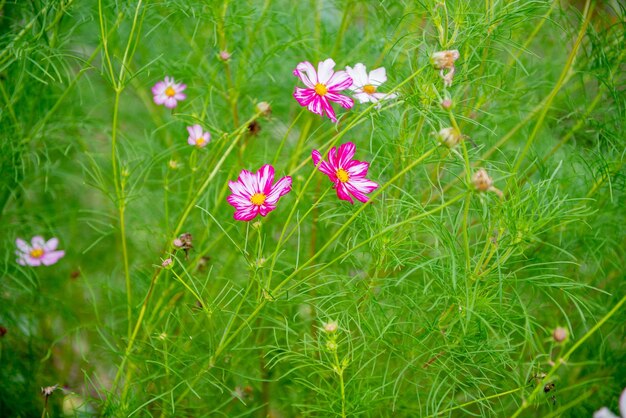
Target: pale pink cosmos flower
<point>322,87</point>
<point>606,412</point>
<point>197,137</point>
<point>255,194</point>
<point>365,86</point>
<point>38,252</point>
<point>168,92</point>
<point>347,174</point>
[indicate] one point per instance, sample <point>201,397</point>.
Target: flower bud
<point>331,327</point>
<point>173,165</point>
<point>331,345</point>
<point>167,263</point>
<point>225,55</point>
<point>446,104</point>
<point>559,334</point>
<point>264,108</point>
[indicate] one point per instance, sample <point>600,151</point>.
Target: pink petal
<point>179,87</point>
<point>180,96</point>
<point>170,103</point>
<point>37,241</point>
<point>32,261</point>
<point>360,187</point>
<point>265,178</point>
<point>52,244</point>
<point>622,404</point>
<point>324,167</point>
<point>344,101</point>
<point>304,96</point>
<point>191,141</point>
<point>342,192</point>
<point>250,182</point>
<point>52,257</point>
<point>339,81</point>
<point>377,76</point>
<point>328,109</point>
<point>22,245</point>
<point>246,214</point>
<point>325,71</point>
<point>306,73</point>
<point>21,261</point>
<point>345,154</point>
<point>357,169</point>
<point>238,188</point>
<point>159,88</point>
<point>604,413</point>
<point>239,202</point>
<point>160,99</point>
<point>281,188</point>
<point>266,208</point>
<point>316,105</point>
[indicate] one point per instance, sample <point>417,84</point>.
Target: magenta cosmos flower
<point>322,87</point>
<point>254,193</point>
<point>197,137</point>
<point>38,252</point>
<point>347,174</point>
<point>168,92</point>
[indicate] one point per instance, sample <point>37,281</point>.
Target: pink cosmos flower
<point>168,92</point>
<point>197,137</point>
<point>322,87</point>
<point>254,193</point>
<point>347,174</point>
<point>38,252</point>
<point>365,85</point>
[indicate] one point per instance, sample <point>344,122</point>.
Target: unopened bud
<point>167,263</point>
<point>331,327</point>
<point>331,345</point>
<point>559,334</point>
<point>264,108</point>
<point>173,164</point>
<point>446,104</point>
<point>225,55</point>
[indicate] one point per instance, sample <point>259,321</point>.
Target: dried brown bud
<point>481,180</point>
<point>450,137</point>
<point>444,59</point>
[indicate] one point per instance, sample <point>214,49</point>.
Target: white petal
<point>325,70</point>
<point>378,76</point>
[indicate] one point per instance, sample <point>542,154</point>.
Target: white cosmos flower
<point>365,86</point>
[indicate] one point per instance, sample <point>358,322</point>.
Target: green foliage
<point>445,297</point>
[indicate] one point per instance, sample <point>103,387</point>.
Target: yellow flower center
<point>36,253</point>
<point>200,141</point>
<point>343,175</point>
<point>258,199</point>
<point>369,89</point>
<point>170,92</point>
<point>320,89</point>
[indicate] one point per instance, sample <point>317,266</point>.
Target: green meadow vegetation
<point>451,292</point>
